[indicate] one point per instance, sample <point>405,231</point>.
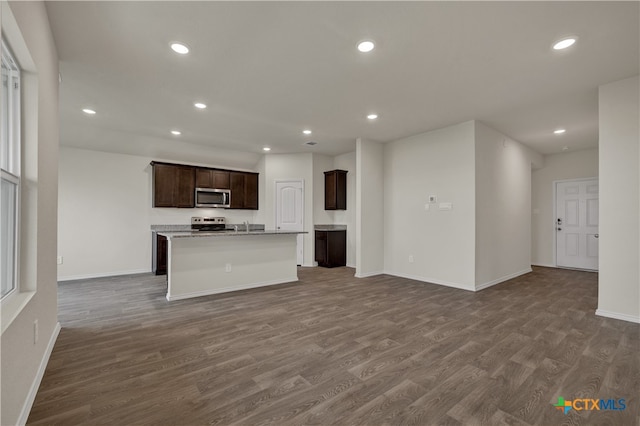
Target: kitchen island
<point>203,263</point>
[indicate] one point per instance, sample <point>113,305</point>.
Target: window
<point>10,165</point>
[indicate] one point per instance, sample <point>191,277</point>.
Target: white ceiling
<point>268,70</point>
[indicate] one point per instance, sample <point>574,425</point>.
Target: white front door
<point>290,210</point>
<point>577,224</point>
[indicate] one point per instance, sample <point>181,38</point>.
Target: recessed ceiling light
<point>176,132</point>
<point>366,46</point>
<point>266,148</point>
<point>306,132</point>
<point>200,105</point>
<point>88,111</point>
<point>559,131</point>
<point>564,43</point>
<point>372,116</point>
<point>180,48</point>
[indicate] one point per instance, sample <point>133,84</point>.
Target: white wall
<point>503,207</point>
<point>619,159</point>
<point>369,209</point>
<point>26,27</point>
<point>291,166</point>
<point>567,165</point>
<point>348,217</point>
<point>105,213</point>
<point>439,163</point>
<point>321,164</point>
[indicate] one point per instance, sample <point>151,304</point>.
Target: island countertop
<point>227,233</point>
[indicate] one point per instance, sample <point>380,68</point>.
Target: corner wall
<point>619,152</point>
<point>23,359</point>
<point>348,217</point>
<point>370,223</point>
<point>429,245</point>
<point>502,207</point>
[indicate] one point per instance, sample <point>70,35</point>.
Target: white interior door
<point>577,224</point>
<point>290,210</point>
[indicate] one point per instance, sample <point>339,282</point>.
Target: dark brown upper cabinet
<point>335,190</point>
<point>244,190</point>
<point>210,178</point>
<point>173,185</point>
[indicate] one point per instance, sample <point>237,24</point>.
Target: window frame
<point>12,172</point>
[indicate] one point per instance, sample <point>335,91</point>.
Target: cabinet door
<point>330,191</point>
<point>337,248</point>
<point>185,187</point>
<point>335,190</point>
<point>161,255</point>
<point>251,191</point>
<point>236,181</point>
<point>221,179</point>
<point>164,178</point>
<point>321,248</point>
<point>203,178</point>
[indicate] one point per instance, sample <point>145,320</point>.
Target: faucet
<point>246,224</point>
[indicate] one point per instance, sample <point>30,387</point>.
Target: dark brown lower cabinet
<point>331,248</point>
<point>159,254</point>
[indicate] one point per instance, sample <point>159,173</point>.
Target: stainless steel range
<point>208,223</point>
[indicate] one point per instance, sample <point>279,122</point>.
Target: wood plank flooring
<point>333,349</point>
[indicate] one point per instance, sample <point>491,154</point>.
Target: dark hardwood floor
<point>333,349</point>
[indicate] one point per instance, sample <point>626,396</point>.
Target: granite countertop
<point>227,233</point>
<point>330,227</point>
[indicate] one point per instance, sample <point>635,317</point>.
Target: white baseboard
<point>103,275</point>
<point>618,316</point>
<point>368,274</point>
<point>229,289</point>
<point>33,391</point>
<point>502,279</point>
<point>430,280</point>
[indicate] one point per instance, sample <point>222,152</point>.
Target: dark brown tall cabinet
<point>244,190</point>
<point>173,185</point>
<point>331,248</point>
<point>335,190</point>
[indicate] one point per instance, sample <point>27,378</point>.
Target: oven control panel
<point>208,221</point>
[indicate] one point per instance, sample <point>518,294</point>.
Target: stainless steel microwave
<point>207,197</point>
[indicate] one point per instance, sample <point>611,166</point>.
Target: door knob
<point>597,235</point>
<point>559,229</point>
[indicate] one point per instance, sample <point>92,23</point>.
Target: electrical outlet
<point>227,267</point>
<point>35,332</point>
<point>60,260</point>
<point>410,258</point>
